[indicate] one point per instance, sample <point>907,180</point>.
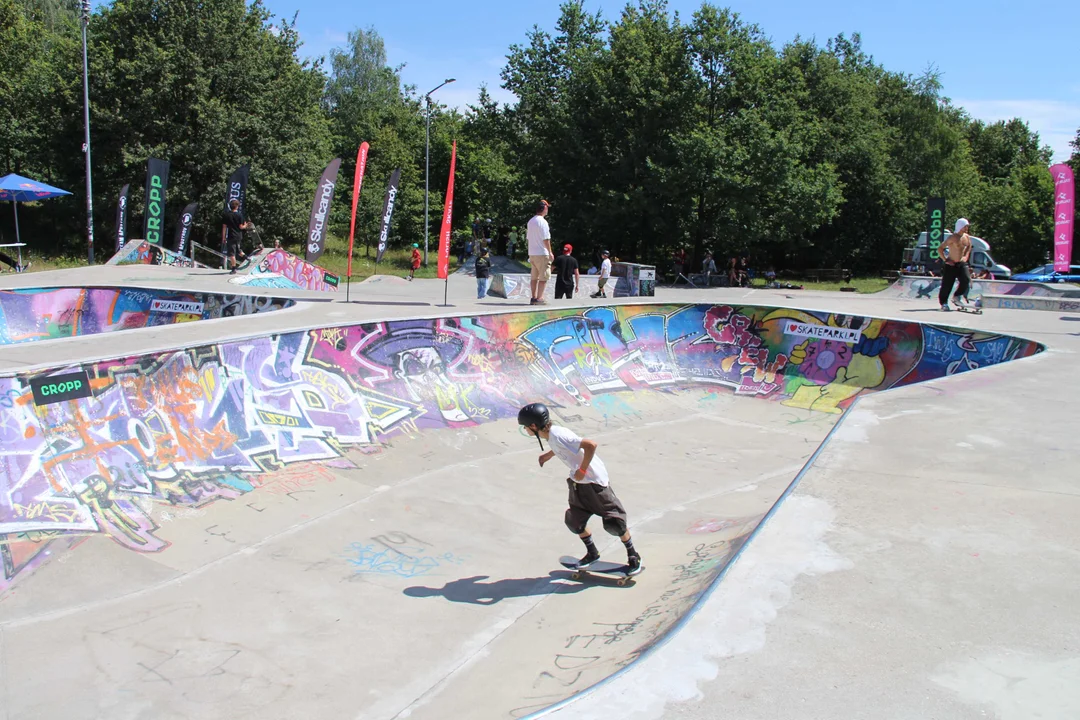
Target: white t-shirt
<point>605,268</point>
<point>566,444</point>
<point>537,231</point>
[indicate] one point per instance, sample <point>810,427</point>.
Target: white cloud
<point>1056,121</point>
<point>335,37</point>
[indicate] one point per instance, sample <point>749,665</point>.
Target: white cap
<point>961,224</point>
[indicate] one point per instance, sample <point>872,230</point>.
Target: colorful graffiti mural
<point>32,315</point>
<point>192,427</point>
<point>302,273</point>
<point>928,287</point>
<point>265,280</point>
<point>140,252</point>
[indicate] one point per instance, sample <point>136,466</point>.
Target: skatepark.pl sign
<point>177,306</point>
<point>823,332</point>
<point>59,388</point>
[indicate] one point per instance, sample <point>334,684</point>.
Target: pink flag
<point>1064,207</point>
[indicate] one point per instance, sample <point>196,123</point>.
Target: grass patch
<point>39,263</point>
<point>396,261</point>
<point>861,284</point>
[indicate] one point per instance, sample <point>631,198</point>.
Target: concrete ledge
<point>516,286</point>
<point>921,286</point>
<point>1029,302</point>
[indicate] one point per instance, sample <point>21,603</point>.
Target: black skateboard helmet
<point>534,414</point>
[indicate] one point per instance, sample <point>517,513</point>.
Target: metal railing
<point>208,250</point>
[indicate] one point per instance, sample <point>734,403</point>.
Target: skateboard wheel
<point>575,576</point>
<point>621,582</point>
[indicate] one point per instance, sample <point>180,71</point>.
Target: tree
<point>208,85</point>
<point>489,181</point>
<point>555,145</point>
<point>1002,147</point>
<point>1074,161</point>
<point>39,96</point>
<point>1017,217</point>
<point>644,133</point>
<point>366,102</point>
<point>751,159</point>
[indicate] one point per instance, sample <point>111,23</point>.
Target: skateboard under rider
<point>620,571</point>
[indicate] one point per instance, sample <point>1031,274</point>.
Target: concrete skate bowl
<point>49,313</point>
<point>917,288</point>
<point>347,522</point>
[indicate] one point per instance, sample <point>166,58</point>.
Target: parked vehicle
<point>919,256</point>
<point>1046,274</point>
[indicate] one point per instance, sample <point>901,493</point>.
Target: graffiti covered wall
<point>928,287</point>
<point>298,271</point>
<point>32,315</point>
<point>140,252</point>
<point>197,426</point>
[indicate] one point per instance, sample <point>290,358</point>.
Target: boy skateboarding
<point>590,493</point>
<point>605,273</point>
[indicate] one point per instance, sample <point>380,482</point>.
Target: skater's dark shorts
<point>588,499</point>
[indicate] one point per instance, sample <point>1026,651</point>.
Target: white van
<point>980,257</point>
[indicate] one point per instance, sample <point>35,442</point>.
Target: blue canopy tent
<point>17,189</point>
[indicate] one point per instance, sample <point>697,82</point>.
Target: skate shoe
<point>589,559</point>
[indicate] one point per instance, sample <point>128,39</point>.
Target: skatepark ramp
<point>1032,302</point>
<point>347,522</point>
<point>924,287</point>
<point>48,313</point>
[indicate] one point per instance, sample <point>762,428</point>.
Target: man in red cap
<point>567,277</point>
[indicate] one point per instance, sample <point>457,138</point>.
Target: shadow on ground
<point>471,590</point>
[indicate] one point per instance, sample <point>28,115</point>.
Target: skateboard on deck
<point>975,308</point>
<point>620,571</point>
<point>247,261</point>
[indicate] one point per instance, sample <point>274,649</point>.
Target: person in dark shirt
<point>233,226</point>
<point>567,276</point>
<point>483,274</point>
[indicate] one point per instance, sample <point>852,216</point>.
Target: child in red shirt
<point>415,260</point>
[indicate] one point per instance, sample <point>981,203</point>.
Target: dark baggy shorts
<point>588,499</point>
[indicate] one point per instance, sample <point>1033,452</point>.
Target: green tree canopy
<point>647,133</point>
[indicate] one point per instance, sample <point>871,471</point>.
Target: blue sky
<point>996,59</point>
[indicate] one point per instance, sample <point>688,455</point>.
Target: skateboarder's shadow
<point>471,590</point>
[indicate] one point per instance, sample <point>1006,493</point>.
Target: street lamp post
<point>85,5</point>
<point>427,162</point>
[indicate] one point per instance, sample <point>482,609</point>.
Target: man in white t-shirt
<point>605,273</point>
<point>590,490</point>
<point>538,236</point>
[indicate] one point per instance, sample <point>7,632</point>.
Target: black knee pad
<point>615,526</point>
<point>576,528</point>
